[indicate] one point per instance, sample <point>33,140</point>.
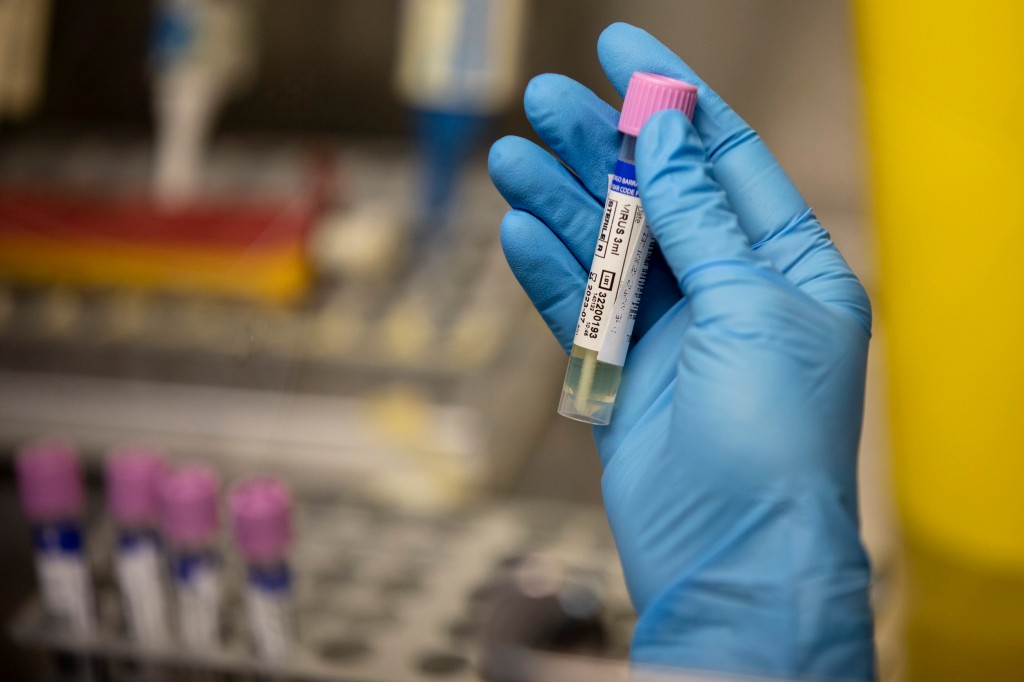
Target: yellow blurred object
<point>277,277</point>
<point>944,102</point>
<point>963,623</point>
<point>254,249</point>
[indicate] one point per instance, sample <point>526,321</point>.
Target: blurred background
<point>261,235</point>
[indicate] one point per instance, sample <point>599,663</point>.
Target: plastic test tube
<point>133,478</point>
<point>261,510</point>
<point>189,518</point>
<point>620,262</point>
<point>50,486</point>
<point>457,67</point>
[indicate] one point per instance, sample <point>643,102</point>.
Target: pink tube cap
<point>188,506</point>
<point>49,480</point>
<point>261,511</point>
<point>133,480</point>
<point>649,93</point>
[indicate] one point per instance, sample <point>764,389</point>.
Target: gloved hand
<point>730,462</point>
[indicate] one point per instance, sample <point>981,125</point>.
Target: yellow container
<point>944,99</point>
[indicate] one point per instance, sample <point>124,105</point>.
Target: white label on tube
<point>66,590</point>
<point>139,573</point>
<point>618,272</point>
<point>271,621</point>
<point>199,607</point>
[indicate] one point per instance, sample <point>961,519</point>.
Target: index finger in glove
<point>577,125</point>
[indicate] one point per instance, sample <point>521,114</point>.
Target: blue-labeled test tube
<point>457,68</point>
<point>52,496</point>
<point>133,477</point>
<point>616,280</point>
<point>190,522</point>
<point>261,513</point>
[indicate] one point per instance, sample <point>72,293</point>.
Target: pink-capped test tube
<point>190,521</point>
<point>261,512</point>
<point>604,328</point>
<point>133,477</point>
<point>50,487</point>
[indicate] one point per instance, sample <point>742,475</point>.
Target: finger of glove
<point>805,254</point>
<point>577,125</point>
<point>549,274</point>
<point>648,376</point>
<point>661,292</point>
<point>532,180</point>
<point>687,211</point>
<point>759,191</point>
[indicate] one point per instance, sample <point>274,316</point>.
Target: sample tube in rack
<point>50,487</point>
<point>261,511</point>
<point>621,256</point>
<point>133,478</point>
<point>190,522</point>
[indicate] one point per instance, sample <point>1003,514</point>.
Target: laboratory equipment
<point>620,264</point>
<point>261,510</point>
<point>386,594</point>
<point>457,66</point>
<point>50,488</point>
<point>24,43</point>
<point>220,357</point>
<point>230,245</point>
<point>133,477</point>
<point>190,523</point>
<point>539,603</point>
<point>202,52</point>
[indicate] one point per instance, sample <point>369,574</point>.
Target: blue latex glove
<point>730,463</point>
